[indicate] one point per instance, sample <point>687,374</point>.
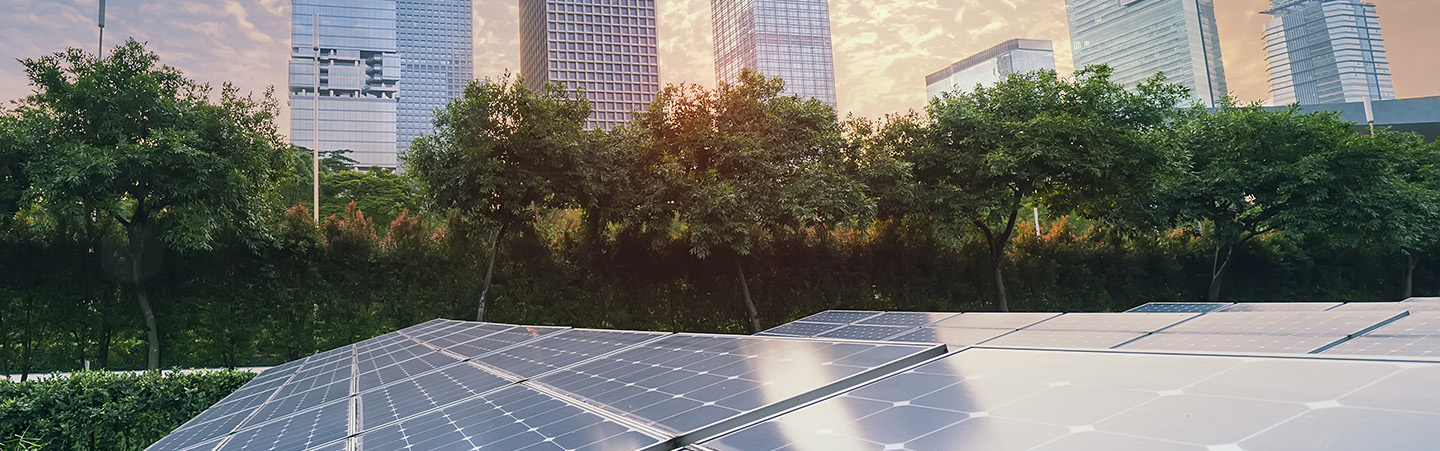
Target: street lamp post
<point>100,49</point>
<point>315,115</point>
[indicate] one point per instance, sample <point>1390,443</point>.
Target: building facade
<point>436,46</point>
<point>604,48</point>
<point>1016,56</point>
<point>1138,38</point>
<point>789,39</point>
<point>1325,51</point>
<point>346,97</point>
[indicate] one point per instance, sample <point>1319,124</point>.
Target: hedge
<point>106,411</point>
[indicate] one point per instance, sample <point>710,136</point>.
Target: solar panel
<point>1290,323</point>
<point>1063,339</point>
<point>1111,322</point>
<point>423,393</point>
<point>864,332</point>
<point>562,349</point>
<point>1387,307</point>
<point>490,342</point>
<point>303,430</point>
<point>988,320</point>
<point>1021,399</point>
<point>1262,343</point>
<point>1178,307</point>
<point>685,383</point>
<point>951,336</point>
<point>1421,299</point>
<point>801,329</point>
<point>1280,307</point>
<point>839,316</point>
<point>1392,346</point>
<point>911,319</point>
<point>1421,324</point>
<point>512,418</point>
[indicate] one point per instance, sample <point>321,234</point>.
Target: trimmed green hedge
<point>106,411</point>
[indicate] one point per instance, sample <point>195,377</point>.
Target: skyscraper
<point>1138,38</point>
<point>992,65</point>
<point>789,39</point>
<point>365,105</point>
<point>436,46</point>
<point>606,48</point>
<point>357,73</point>
<point>1325,51</point>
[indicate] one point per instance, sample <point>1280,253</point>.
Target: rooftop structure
<point>992,65</point>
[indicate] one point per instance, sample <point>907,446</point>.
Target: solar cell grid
<point>400,370</point>
<point>463,334</point>
<point>1178,307</point>
<point>988,320</point>
<point>864,332</point>
<point>1288,323</point>
<point>802,329</point>
<point>1063,339</point>
<point>955,337</point>
<point>1019,399</point>
<point>512,418</point>
<point>499,340</point>
<point>1280,307</point>
<point>1389,346</point>
<point>425,392</point>
<point>1247,343</point>
<point>1387,307</point>
<point>308,428</point>
<point>839,316</point>
<point>190,434</point>
<point>301,401</point>
<point>1112,322</point>
<point>562,349</point>
<point>681,383</point>
<point>911,319</point>
<point>1420,324</point>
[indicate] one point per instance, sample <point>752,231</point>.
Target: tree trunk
<point>752,316</point>
<point>1217,271</point>
<point>1002,304</point>
<point>136,231</point>
<point>1409,275</point>
<point>490,269</point>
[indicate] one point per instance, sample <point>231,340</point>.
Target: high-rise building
<point>1325,51</point>
<point>354,79</point>
<point>365,106</point>
<point>992,65</point>
<point>789,39</point>
<point>605,48</point>
<point>436,46</point>
<point>1138,38</point>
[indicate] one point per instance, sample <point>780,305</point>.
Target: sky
<point>883,48</point>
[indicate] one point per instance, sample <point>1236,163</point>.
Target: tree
<point>123,138</point>
<point>501,153</point>
<point>1250,171</point>
<point>1066,143</point>
<point>738,164</point>
<point>1402,211</point>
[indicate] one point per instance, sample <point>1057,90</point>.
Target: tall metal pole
<point>100,49</point>
<point>315,145</point>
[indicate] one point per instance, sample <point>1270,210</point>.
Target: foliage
<point>1251,171</point>
<point>124,139</point>
<point>1065,143</point>
<point>115,411</point>
<point>740,163</point>
<point>502,153</point>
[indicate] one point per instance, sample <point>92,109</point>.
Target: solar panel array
<point>1220,376</point>
<point>466,385</point>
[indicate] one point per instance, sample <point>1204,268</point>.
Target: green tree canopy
<point>501,153</point>
<point>1069,143</point>
<point>123,138</point>
<point>740,163</point>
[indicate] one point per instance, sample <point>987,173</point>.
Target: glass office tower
<point>992,65</point>
<point>789,39</point>
<point>606,48</point>
<point>1325,51</point>
<point>354,79</point>
<point>1138,38</point>
<point>434,39</point>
